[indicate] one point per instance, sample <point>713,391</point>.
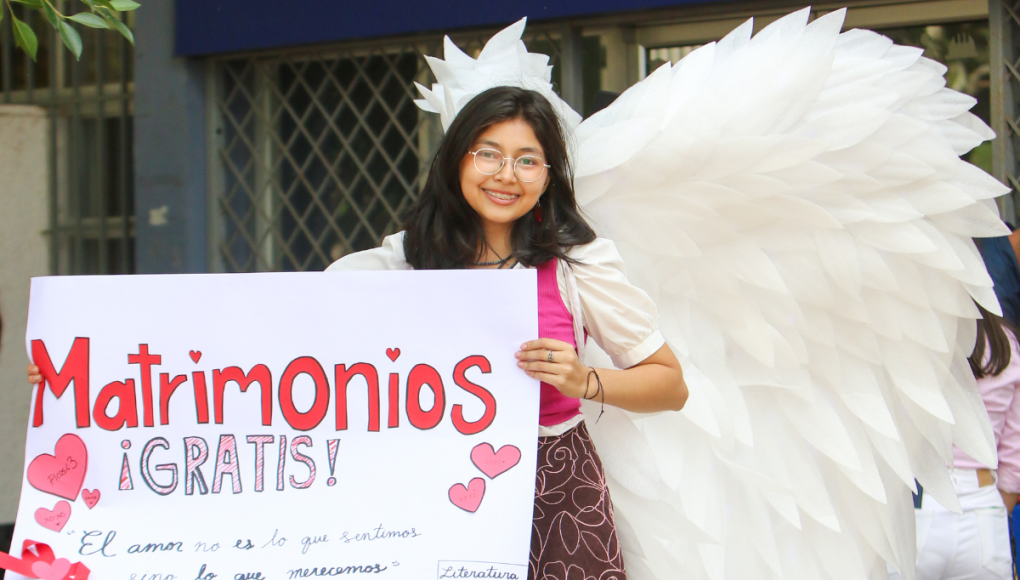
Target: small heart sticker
<point>195,355</point>
<point>493,463</point>
<point>55,571</point>
<point>393,353</point>
<point>470,497</point>
<point>54,519</point>
<point>91,498</point>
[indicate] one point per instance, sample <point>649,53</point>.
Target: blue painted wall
<point>216,26</point>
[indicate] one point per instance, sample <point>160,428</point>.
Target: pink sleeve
<point>1009,444</point>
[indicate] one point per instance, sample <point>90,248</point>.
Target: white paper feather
<point>504,61</point>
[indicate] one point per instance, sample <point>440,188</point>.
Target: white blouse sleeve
<point>388,256</point>
<point>619,316</point>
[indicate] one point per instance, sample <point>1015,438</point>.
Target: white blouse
<point>619,316</point>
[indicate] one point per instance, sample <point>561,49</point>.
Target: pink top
<point>1001,394</point>
<point>554,321</point>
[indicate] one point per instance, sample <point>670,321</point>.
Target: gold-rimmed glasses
<point>527,168</point>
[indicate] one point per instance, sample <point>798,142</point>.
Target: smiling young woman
<point>500,194</point>
<point>444,230</point>
<point>492,186</point>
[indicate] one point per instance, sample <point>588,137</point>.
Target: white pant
<point>973,545</point>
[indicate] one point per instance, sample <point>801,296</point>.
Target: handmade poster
<point>281,426</point>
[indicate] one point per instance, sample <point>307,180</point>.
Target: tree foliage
<point>100,14</point>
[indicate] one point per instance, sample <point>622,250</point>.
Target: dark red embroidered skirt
<point>573,536</point>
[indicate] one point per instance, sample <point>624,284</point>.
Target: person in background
<point>1000,257</point>
<point>975,544</point>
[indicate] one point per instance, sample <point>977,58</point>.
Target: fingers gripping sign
<point>554,362</point>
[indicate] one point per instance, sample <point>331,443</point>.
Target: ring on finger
<point>549,357</point>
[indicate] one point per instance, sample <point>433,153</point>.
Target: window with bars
<point>1004,79</point>
<point>317,153</point>
<point>89,105</point>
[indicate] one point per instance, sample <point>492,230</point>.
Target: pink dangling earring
<point>538,211</point>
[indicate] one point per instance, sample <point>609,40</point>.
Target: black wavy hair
<point>443,232</point>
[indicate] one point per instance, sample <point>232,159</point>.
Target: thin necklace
<point>494,262</point>
<point>498,262</point>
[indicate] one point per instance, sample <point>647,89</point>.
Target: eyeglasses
<point>527,168</point>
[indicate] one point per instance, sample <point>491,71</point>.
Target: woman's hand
<point>565,372</point>
<point>654,384</point>
<point>34,377</point>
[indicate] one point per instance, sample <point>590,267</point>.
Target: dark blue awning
<point>206,27</point>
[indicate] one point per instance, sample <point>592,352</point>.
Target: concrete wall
<point>24,207</point>
<point>170,153</point>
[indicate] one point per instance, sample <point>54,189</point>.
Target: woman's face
<point>501,199</point>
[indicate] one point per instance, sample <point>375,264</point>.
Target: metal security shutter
<point>318,152</point>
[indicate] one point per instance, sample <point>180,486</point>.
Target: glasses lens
<point>488,161</point>
<point>529,168</point>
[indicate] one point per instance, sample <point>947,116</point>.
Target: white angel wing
<point>796,206</point>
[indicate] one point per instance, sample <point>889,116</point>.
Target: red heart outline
<point>470,497</point>
<point>62,473</point>
<point>493,463</point>
<point>195,355</point>
<point>54,519</point>
<point>393,353</point>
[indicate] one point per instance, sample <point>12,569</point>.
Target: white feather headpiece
<point>503,62</point>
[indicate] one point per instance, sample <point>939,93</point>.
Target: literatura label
<point>462,569</point>
<point>282,426</point>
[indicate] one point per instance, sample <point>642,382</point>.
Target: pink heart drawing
<point>54,519</point>
<point>470,497</point>
<point>393,353</point>
<point>55,571</point>
<point>195,355</point>
<point>62,473</point>
<point>493,463</point>
<point>91,498</point>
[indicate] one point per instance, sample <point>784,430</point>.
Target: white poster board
<point>384,429</point>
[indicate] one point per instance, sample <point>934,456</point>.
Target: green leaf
<point>124,5</point>
<point>119,26</point>
<point>33,4</point>
<point>24,37</point>
<point>51,15</point>
<point>70,37</point>
<point>103,3</point>
<point>89,19</point>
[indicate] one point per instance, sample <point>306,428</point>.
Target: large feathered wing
<point>796,206</point>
